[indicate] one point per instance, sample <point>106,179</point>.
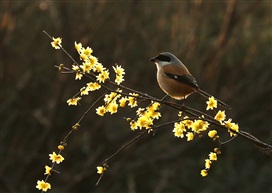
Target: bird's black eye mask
<point>163,58</point>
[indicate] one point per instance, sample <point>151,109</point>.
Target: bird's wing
<point>185,79</point>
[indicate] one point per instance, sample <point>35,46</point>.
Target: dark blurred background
<point>225,44</point>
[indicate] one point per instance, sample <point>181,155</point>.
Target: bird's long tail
<point>203,93</point>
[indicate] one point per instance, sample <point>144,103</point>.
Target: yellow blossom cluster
<point>146,116</point>
<point>89,64</point>
<point>76,69</point>
<point>55,158</point>
<point>114,100</point>
<point>233,128</point>
<point>111,103</point>
<point>209,161</point>
<point>73,101</point>
<point>189,128</point>
<point>119,71</point>
<point>91,86</point>
<point>132,100</point>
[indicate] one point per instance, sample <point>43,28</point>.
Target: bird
<point>175,79</point>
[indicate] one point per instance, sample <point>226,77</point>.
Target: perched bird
<point>175,79</point>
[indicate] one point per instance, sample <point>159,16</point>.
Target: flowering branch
<point>189,123</point>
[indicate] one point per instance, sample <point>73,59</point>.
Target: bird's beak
<point>153,59</point>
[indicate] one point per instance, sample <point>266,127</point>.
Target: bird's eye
<point>163,58</point>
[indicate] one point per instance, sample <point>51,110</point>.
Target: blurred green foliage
<point>225,44</point>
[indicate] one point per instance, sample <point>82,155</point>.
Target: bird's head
<point>165,58</point>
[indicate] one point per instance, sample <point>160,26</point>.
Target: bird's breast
<point>172,87</point>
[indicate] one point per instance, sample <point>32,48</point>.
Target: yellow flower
<point>110,97</point>
<point>155,106</point>
<point>132,101</point>
<point>144,121</point>
<point>119,70</point>
<point>75,68</point>
<point>78,76</point>
<point>56,157</point>
<point>100,169</point>
<point>83,57</point>
<point>152,107</point>
<point>93,60</point>
<point>103,76</point>
<point>234,127</point>
<point>198,126</point>
<point>190,136</point>
<point>84,91</point>
<point>208,163</point>
<point>231,127</point>
<point>204,173</point>
<point>119,74</point>
<point>87,51</point>
<point>78,47</point>
<point>56,43</point>
<point>179,129</point>
<point>228,123</point>
<point>220,116</point>
<point>112,107</point>
<point>133,125</point>
<point>42,185</point>
<point>154,114</point>
<point>93,86</point>
<point>212,103</point>
<point>140,111</point>
<point>101,110</point>
<point>73,101</point>
<point>98,67</point>
<point>123,101</point>
<point>86,67</point>
<point>188,123</point>
<point>47,170</point>
<point>119,79</point>
<point>212,133</point>
<point>213,156</point>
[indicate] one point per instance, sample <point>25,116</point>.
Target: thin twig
<point>124,146</point>
<point>86,112</point>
